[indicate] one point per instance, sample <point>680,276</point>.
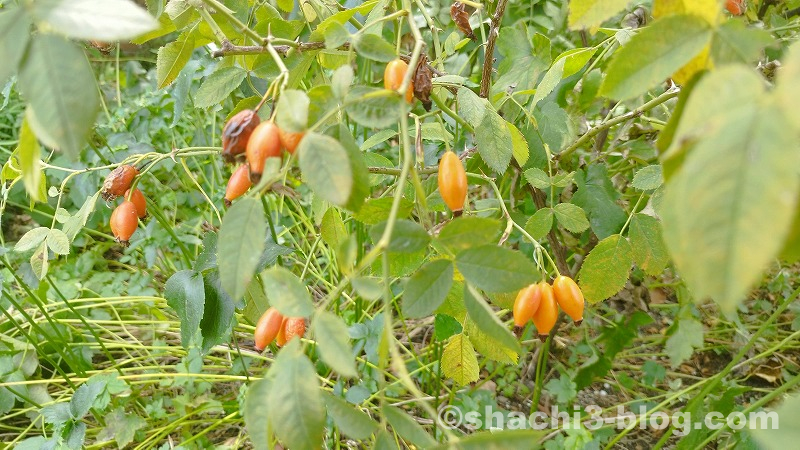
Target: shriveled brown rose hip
<point>237,132</point>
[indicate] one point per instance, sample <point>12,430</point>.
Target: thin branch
<point>228,49</point>
<point>488,61</point>
<point>618,120</point>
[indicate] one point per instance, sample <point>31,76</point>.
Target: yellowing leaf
<point>488,346</point>
<point>605,271</point>
<point>28,153</point>
<point>699,63</point>
<point>459,361</point>
<point>591,13</point>
<point>709,10</point>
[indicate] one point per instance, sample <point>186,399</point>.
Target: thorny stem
<point>488,61</point>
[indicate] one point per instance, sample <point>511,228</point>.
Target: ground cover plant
<point>399,224</point>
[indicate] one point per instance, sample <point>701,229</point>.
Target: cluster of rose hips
<point>246,134</point>
<point>539,303</point>
<point>273,326</point>
<point>125,218</point>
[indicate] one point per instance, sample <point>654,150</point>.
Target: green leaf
<point>358,167</point>
<point>28,151</point>
<point>470,231</point>
<point>374,47</point>
<point>648,178</point>
<point>326,167</point>
<point>15,32</point>
<point>776,439</point>
<point>351,421</point>
<point>471,107</point>
<point>407,428</point>
<point>376,210</point>
<point>407,236</point>
<point>75,223</point>
<point>377,138</point>
<point>654,54</point>
<point>172,57</point>
<point>493,139</point>
<point>486,320</point>
<point>300,420</point>
<point>728,210</point>
<point>538,178</point>
<point>496,269</point>
<point>185,294</point>
<point>58,242</point>
<point>341,80</point>
<point>217,312</point>
<point>286,292</point>
<point>497,440</point>
<point>333,340</point>
<point>571,217</point>
<point>218,86</point>
<point>240,244</point>
<point>687,337</point>
<point>459,361</point>
<point>488,346</point>
<point>335,36</point>
<point>83,399</point>
<point>33,238</point>
<point>372,107</point>
<point>563,389</point>
<point>540,223</point>
<point>549,81</point>
<point>597,196</point>
<point>121,427</point>
<point>256,411</point>
<point>591,13</point>
<point>734,42</point>
<point>445,326</point>
<point>109,20</point>
<point>606,268</point>
<point>332,228</point>
<point>647,243</point>
<point>519,145</point>
<point>427,289</point>
<point>292,110</point>
<point>369,288</point>
<point>62,108</point>
<point>40,261</point>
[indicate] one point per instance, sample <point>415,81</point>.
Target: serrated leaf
<point>571,217</point>
<point>407,428</point>
<point>597,196</point>
<point>172,57</point>
<point>648,178</point>
<point>300,420</point>
<point>606,268</point>
<point>292,110</point>
<point>459,361</point>
<point>31,239</point>
<point>40,261</point>
<point>83,398</point>
<point>427,289</point>
<point>255,413</point>
<point>519,145</point>
<point>341,80</point>
<point>61,109</point>
<point>330,333</point>
<point>681,344</point>
<point>15,31</point>
<point>591,13</point>
<point>734,42</point>
<point>654,54</point>
<point>218,86</point>
<point>218,312</point>
<point>540,223</point>
<point>647,243</point>
<point>108,20</point>
<point>186,295</point>
<point>407,236</point>
<point>728,210</point>
<point>486,320</point>
<point>468,232</point>
<point>372,107</point>
<point>493,139</point>
<point>376,210</point>
<point>286,292</point>
<point>332,228</point>
<point>351,421</point>
<point>240,244</point>
<point>488,346</point>
<point>326,167</point>
<point>537,178</point>
<point>374,47</point>
<point>495,269</point>
<point>58,242</point>
<point>75,223</point>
